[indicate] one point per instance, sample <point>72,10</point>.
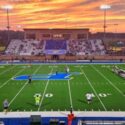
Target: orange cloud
<point>63,14</point>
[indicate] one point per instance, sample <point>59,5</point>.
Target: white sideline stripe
<point>44,91</point>
<point>70,94</point>
<point>108,81</point>
<point>10,79</point>
<point>64,114</point>
<point>93,89</point>
<point>22,87</point>
<point>7,70</point>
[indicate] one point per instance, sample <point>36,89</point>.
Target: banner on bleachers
<point>55,52</point>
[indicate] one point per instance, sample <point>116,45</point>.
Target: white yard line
<point>17,93</point>
<point>22,87</point>
<point>70,94</point>
<point>7,70</point>
<point>44,91</point>
<point>108,80</point>
<point>93,89</point>
<point>10,79</point>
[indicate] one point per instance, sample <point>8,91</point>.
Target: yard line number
<point>48,95</point>
<point>103,95</point>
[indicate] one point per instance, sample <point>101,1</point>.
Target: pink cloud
<point>63,13</point>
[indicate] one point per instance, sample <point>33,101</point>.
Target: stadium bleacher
<point>25,47</point>
<point>87,47</point>
<point>76,47</point>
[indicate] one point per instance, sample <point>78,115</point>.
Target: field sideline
<point>107,88</point>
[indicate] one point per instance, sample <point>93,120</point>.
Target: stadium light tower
<point>105,7</point>
<point>8,8</point>
<point>18,30</point>
<point>115,25</point>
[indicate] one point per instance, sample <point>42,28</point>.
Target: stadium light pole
<point>115,25</point>
<point>8,8</point>
<point>18,30</point>
<point>105,7</point>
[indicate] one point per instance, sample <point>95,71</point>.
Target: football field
<point>59,91</point>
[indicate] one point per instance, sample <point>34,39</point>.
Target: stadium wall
<point>47,34</point>
<point>61,58</point>
<point>25,118</point>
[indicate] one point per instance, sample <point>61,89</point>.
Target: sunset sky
<point>64,14</point>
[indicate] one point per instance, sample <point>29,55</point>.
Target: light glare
<point>7,7</point>
<point>103,7</point>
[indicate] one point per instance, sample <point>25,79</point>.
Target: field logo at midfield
<point>55,76</point>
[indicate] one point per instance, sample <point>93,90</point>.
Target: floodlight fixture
<point>105,7</point>
<point>8,8</point>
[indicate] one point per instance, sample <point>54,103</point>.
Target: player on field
<point>5,105</point>
<point>89,97</point>
<point>67,69</point>
<point>37,99</point>
<point>29,79</point>
<point>56,72</point>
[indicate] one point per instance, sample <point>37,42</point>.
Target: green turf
<point>107,87</point>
